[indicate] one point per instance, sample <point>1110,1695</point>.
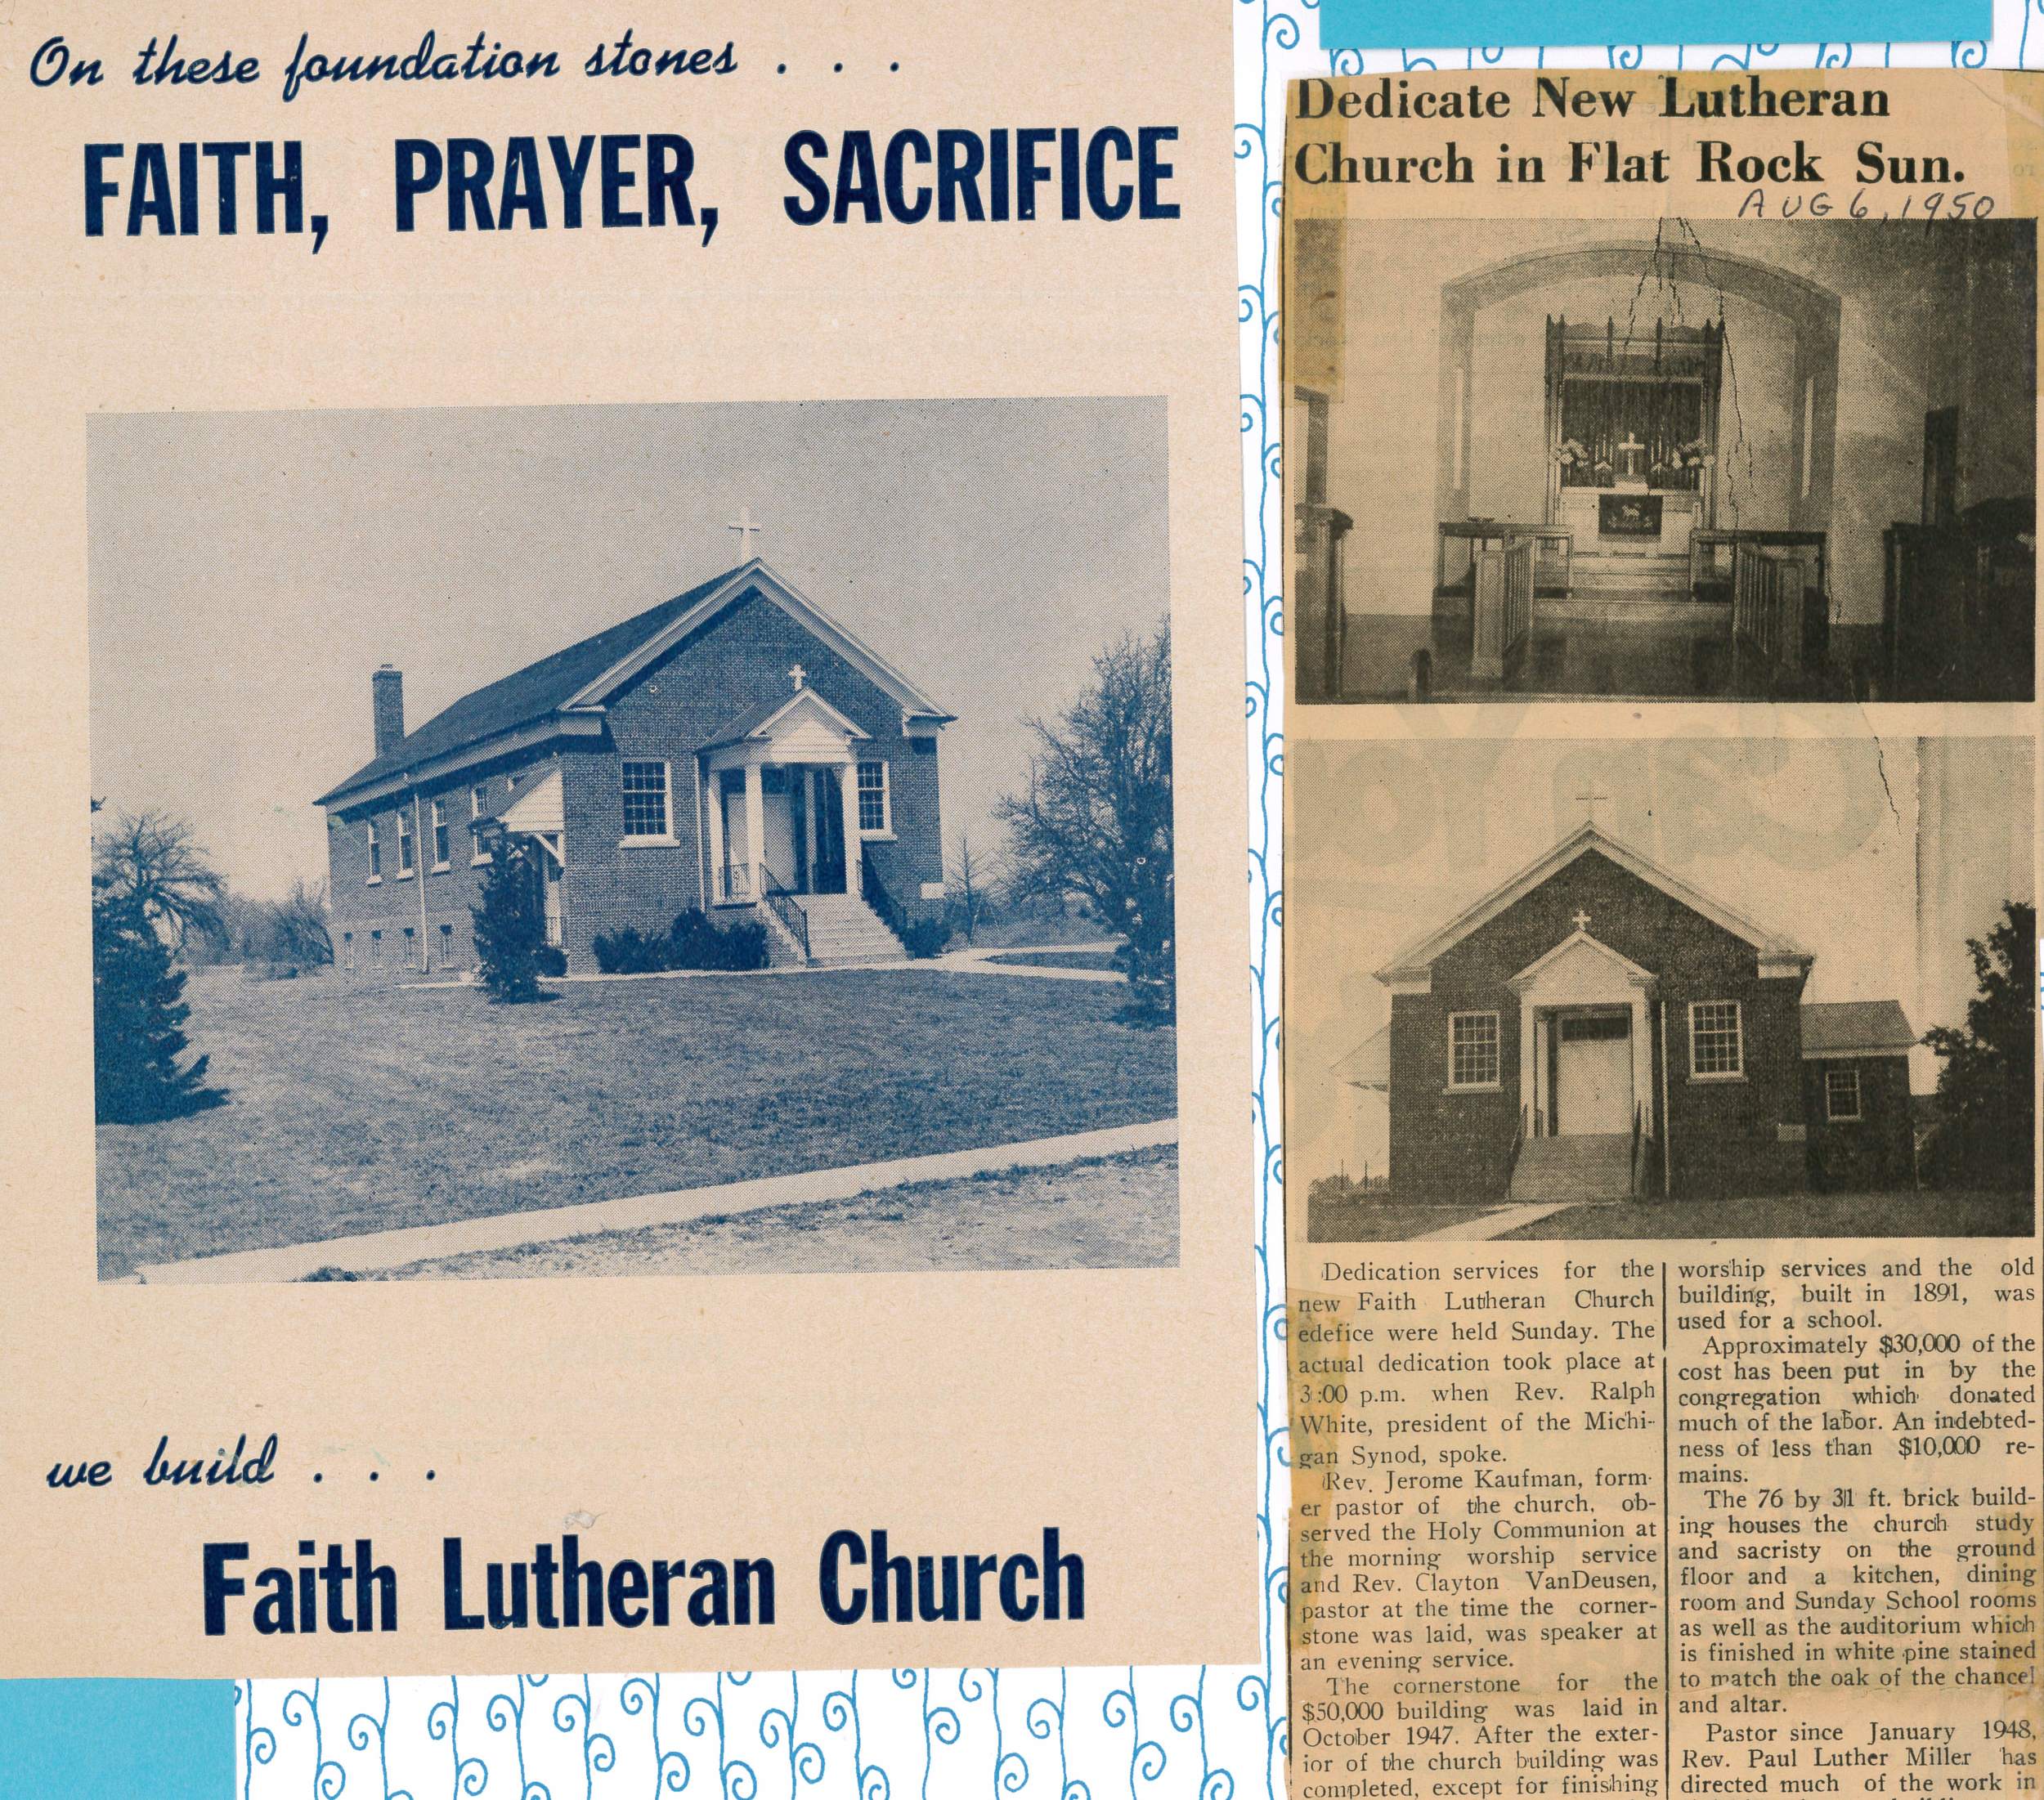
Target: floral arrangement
<point>1570,455</point>
<point>1696,454</point>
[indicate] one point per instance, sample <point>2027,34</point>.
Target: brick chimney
<point>387,706</point>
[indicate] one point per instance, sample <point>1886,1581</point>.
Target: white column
<point>1543,1101</point>
<point>755,829</point>
<point>716,836</point>
<point>849,784</point>
<point>1642,1058</point>
<point>1528,1062</point>
<point>809,790</point>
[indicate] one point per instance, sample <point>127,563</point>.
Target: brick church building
<point>732,749</point>
<point>1596,1028</point>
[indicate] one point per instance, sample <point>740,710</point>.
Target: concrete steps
<point>843,929</point>
<point>1566,1170</point>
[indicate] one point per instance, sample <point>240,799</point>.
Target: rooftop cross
<point>746,530</point>
<point>798,674</point>
<point>1581,920</point>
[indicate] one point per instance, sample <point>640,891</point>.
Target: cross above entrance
<point>746,530</point>
<point>1581,920</point>
<point>798,674</point>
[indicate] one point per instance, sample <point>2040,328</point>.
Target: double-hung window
<point>1472,1051</point>
<point>1841,1095</point>
<point>1717,1041</point>
<point>375,853</point>
<point>404,844</point>
<point>478,804</point>
<point>440,834</point>
<point>875,809</point>
<point>646,800</point>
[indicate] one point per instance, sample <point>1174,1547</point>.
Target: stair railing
<point>874,891</point>
<point>780,897</point>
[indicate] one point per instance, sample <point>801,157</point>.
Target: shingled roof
<point>1863,1027</point>
<point>541,689</point>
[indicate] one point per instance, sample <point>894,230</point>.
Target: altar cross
<point>746,530</point>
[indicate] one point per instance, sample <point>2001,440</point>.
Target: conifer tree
<point>510,923</point>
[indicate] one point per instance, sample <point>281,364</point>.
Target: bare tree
<point>1095,818</point>
<point>152,863</point>
<point>973,875</point>
<point>297,926</point>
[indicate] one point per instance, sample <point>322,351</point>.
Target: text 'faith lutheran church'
<point>733,750</point>
<point>1596,1029</point>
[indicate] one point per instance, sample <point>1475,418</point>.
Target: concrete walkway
<point>981,962</point>
<point>954,962</point>
<point>511,1230</point>
<point>1493,1224</point>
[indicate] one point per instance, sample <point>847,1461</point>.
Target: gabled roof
<point>1417,958</point>
<point>1856,1027</point>
<point>758,721</point>
<point>1369,1065</point>
<point>1581,939</point>
<point>582,677</point>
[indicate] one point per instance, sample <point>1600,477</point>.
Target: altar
<point>1638,519</point>
<point>1632,426</point>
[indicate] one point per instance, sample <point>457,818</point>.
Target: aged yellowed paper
<point>1661,973</point>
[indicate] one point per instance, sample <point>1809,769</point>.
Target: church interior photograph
<point>1686,1012</point>
<point>1708,460</point>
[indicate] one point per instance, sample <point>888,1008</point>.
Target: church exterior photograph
<point>1712,460</point>
<point>733,750</point>
<point>626,840</point>
<point>1601,1044</point>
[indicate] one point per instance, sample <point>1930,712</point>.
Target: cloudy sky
<point>248,571</point>
<point>1815,838</point>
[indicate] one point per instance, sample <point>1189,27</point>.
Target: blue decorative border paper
<point>1383,24</point>
<point>1205,1734</point>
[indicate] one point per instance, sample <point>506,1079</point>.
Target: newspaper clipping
<point>1661,964</point>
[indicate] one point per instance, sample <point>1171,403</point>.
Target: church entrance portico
<point>1585,1062</point>
<point>784,802</point>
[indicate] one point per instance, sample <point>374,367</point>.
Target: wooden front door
<point>1594,1075</point>
<point>826,807</point>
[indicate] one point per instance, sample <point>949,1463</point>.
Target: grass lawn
<point>1056,959</point>
<point>1102,1212</point>
<point>1925,1215</point>
<point>1381,1221</point>
<point>354,1109</point>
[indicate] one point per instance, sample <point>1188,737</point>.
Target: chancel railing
<point>1713,554</point>
<point>1767,607</point>
<point>1504,613</point>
